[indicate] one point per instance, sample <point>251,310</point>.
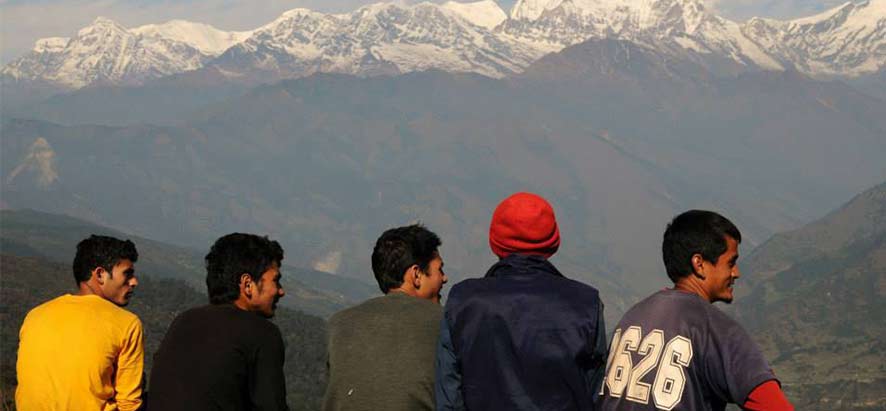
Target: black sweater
<point>218,357</point>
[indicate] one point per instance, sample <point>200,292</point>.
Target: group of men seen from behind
<point>522,337</point>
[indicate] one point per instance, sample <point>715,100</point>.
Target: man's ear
<point>99,274</point>
<point>698,265</point>
<point>413,274</point>
<point>246,285</point>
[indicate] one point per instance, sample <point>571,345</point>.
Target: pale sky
<point>22,22</point>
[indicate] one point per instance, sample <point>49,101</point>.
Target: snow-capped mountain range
<point>478,37</point>
<point>106,52</point>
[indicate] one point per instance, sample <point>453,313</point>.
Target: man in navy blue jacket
<point>524,337</point>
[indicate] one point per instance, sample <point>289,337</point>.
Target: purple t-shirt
<point>676,351</point>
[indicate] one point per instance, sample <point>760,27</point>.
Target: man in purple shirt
<point>675,350</point>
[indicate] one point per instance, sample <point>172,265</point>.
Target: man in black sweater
<point>226,355</point>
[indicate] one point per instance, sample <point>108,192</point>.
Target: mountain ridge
<point>53,237</point>
<point>813,293</point>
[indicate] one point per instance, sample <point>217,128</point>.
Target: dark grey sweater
<point>381,355</point>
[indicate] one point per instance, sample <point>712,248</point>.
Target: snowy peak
<point>685,27</point>
<point>51,44</point>
<point>299,14</point>
<point>102,34</point>
<point>482,13</point>
<point>849,16</point>
<point>639,10</point>
<point>104,52</point>
<point>102,25</point>
<point>846,40</point>
<point>837,13</point>
<point>203,37</point>
<point>381,38</point>
<point>532,9</point>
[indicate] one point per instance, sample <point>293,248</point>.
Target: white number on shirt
<point>619,371</point>
<point>616,338</point>
<point>670,379</point>
<point>651,348</point>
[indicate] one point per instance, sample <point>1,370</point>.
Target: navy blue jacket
<point>522,338</point>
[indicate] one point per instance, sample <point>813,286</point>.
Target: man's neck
<point>89,289</point>
<point>691,284</point>
<point>404,290</point>
<point>241,303</point>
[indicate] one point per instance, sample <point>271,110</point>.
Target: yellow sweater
<point>80,353</point>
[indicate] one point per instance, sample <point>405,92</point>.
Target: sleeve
<point>267,384</point>
<point>767,397</point>
<point>601,352</point>
<point>129,381</point>
<point>447,385</point>
<point>734,363</point>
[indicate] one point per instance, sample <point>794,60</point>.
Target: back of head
<point>400,248</point>
<point>101,251</point>
<point>524,223</point>
<point>695,232</point>
<point>234,255</point>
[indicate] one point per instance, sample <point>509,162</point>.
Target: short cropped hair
<point>398,249</point>
<point>101,251</point>
<point>234,255</point>
<point>695,232</point>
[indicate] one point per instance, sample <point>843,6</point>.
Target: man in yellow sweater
<point>84,352</point>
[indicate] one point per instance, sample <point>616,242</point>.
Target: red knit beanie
<point>524,223</point>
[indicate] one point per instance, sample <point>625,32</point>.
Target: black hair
<point>398,249</point>
<point>695,232</point>
<point>101,251</point>
<point>234,255</point>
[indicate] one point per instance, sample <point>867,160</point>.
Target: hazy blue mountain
<point>326,163</point>
<point>166,101</point>
<point>54,237</point>
<point>818,296</point>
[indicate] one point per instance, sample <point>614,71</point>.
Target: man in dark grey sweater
<point>381,352</point>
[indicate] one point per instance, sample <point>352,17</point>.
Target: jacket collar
<point>522,264</point>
